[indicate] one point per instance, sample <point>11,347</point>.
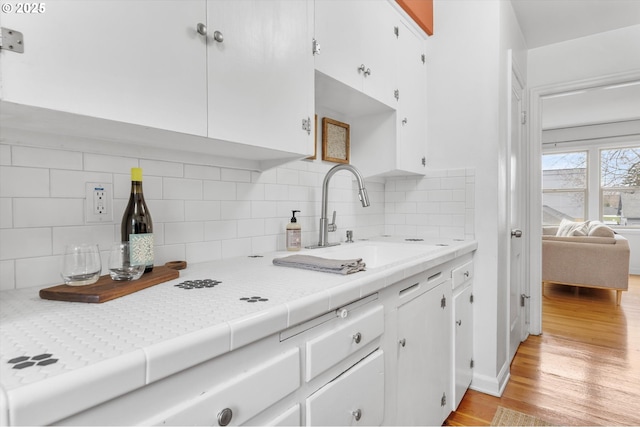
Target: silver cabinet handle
<point>217,36</point>
<point>357,338</point>
<point>404,121</point>
<point>466,273</point>
<point>403,342</point>
<point>368,72</point>
<point>516,233</point>
<point>361,68</point>
<point>357,414</point>
<point>201,29</point>
<point>458,322</point>
<point>224,417</point>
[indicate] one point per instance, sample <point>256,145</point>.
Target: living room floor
<point>583,370</point>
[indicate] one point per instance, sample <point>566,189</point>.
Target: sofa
<point>585,254</point>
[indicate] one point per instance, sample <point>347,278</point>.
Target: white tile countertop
<point>77,355</point>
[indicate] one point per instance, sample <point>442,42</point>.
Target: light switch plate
<point>98,202</point>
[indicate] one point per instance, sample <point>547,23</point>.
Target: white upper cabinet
<point>357,42</point>
<point>232,79</point>
<point>261,73</point>
<point>137,62</point>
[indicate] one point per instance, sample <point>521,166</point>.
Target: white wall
<point>467,93</point>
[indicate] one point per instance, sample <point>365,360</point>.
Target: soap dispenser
<point>294,234</point>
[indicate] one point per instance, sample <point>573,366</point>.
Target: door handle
<point>516,233</point>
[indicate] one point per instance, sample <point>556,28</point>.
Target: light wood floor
<point>583,370</point>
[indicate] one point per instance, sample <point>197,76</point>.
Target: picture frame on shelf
<point>335,141</point>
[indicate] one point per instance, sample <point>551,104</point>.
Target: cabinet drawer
<point>462,274</point>
<point>354,398</point>
<point>245,395</point>
<point>353,334</point>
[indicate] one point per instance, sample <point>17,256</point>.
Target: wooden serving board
<point>106,289</point>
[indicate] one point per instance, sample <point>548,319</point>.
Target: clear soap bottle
<point>294,234</point>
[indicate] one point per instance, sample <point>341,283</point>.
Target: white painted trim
<point>491,385</point>
<point>535,187</point>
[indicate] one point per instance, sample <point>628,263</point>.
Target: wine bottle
<point>137,226</point>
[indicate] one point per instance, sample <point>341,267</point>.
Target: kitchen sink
<point>375,254</point>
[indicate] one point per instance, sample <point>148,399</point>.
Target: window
<point>620,186</point>
<point>593,183</point>
<point>564,187</point>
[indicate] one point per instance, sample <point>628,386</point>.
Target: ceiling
<point>546,22</point>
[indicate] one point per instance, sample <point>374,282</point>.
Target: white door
<point>516,195</point>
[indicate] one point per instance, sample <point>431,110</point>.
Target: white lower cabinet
<point>462,330</point>
<point>356,397</point>
<point>424,358</point>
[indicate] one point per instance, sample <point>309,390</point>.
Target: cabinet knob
<point>361,68</point>
<point>404,121</point>
<point>357,414</point>
<point>224,417</point>
<point>458,322</point>
<point>466,273</point>
<point>367,72</point>
<point>403,342</point>
<point>201,29</point>
<point>217,36</point>
<point>357,338</point>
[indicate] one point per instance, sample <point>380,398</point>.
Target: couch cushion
<point>581,239</point>
<point>598,229</point>
<point>571,228</point>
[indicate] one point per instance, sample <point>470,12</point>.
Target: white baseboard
<point>491,385</point>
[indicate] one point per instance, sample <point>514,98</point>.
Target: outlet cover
<point>98,202</point>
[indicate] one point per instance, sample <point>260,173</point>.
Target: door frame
<point>536,96</point>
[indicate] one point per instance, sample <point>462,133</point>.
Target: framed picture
<point>335,141</point>
<point>315,139</point>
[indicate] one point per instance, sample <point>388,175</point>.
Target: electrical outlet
<point>98,202</point>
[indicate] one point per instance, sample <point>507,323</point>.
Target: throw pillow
<point>571,228</point>
<point>598,229</point>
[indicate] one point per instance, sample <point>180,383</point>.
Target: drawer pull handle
<point>224,417</point>
<point>466,273</point>
<point>403,342</point>
<point>458,322</point>
<point>357,338</point>
<point>357,414</point>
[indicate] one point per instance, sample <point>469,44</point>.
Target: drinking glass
<point>81,264</point>
<point>120,267</point>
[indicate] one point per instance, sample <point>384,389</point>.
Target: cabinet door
<point>352,34</point>
<point>424,366</point>
<point>113,60</point>
<point>261,73</point>
<point>463,347</point>
<point>354,398</point>
<point>412,103</point>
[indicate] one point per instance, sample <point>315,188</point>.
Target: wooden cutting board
<point>106,289</point>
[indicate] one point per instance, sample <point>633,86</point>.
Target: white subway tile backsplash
<point>7,275</point>
<point>6,212</point>
<point>43,212</point>
<point>105,163</point>
<point>181,189</point>
<point>183,232</point>
<point>42,271</point>
<point>24,243</point>
<point>235,210</point>
<point>219,190</point>
<point>160,168</point>
<point>220,230</point>
<point>24,182</point>
<point>66,183</point>
<point>202,210</point>
<point>102,235</point>
<point>5,155</point>
<point>45,158</point>
<point>203,213</point>
<point>202,172</point>
<point>235,175</point>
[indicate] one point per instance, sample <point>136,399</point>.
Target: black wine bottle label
<point>141,249</point>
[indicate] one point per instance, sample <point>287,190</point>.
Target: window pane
<point>564,170</point>
<point>565,204</point>
<point>620,167</point>
<point>621,207</point>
